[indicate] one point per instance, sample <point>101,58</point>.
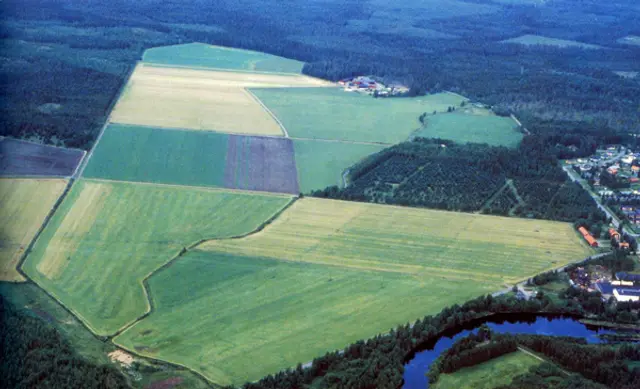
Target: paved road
<point>576,177</point>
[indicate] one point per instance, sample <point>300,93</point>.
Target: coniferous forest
<point>64,60</point>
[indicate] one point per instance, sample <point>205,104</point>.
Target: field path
<point>254,97</point>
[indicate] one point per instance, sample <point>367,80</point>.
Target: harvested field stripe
<point>284,130</point>
<point>206,188</point>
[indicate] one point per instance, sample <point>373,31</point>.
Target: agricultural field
<point>24,206</point>
<point>326,273</point>
<point>494,250</point>
<point>260,163</point>
<point>201,99</point>
<point>20,158</point>
<point>350,116</point>
<point>469,128</point>
<point>321,164</point>
<point>529,40</point>
<point>490,374</point>
<point>194,158</point>
<point>252,316</point>
<point>107,237</point>
<point>218,57</point>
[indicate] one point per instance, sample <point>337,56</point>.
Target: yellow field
<point>413,241</point>
<point>201,99</point>
<point>24,204</point>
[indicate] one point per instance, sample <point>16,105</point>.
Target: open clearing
<point>529,40</point>
<point>106,237</point>
<point>203,55</point>
<point>326,273</point>
<point>321,164</point>
<point>24,205</point>
<point>630,40</point>
<point>350,116</point>
<point>20,158</point>
<point>491,374</point>
<point>194,158</point>
<point>201,99</point>
<point>463,128</point>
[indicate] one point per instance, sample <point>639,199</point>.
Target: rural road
<point>576,177</point>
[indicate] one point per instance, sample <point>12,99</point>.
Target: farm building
<point>587,236</point>
<point>623,276</point>
<point>626,294</point>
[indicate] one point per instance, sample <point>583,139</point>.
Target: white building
<point>626,294</point>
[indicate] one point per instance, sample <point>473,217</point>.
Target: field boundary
<point>183,251</point>
<point>107,121</point>
<point>264,107</point>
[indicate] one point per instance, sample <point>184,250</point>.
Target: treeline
<point>35,355</point>
<point>471,350</point>
<point>441,174</point>
<point>602,363</point>
<point>548,376</point>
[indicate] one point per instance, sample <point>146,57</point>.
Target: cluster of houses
<point>374,87</point>
<point>624,287</point>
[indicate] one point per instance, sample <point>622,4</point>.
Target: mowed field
<point>194,158</point>
<point>321,164</point>
<point>201,99</point>
<point>106,237</point>
<point>218,57</point>
<point>463,128</point>
<point>24,205</point>
<point>326,273</point>
<point>529,40</point>
<point>332,113</point>
<point>488,375</point>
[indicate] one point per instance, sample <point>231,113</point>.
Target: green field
<point>326,273</point>
<point>529,40</point>
<point>203,55</point>
<point>107,237</point>
<point>460,127</point>
<point>253,316</point>
<point>490,374</point>
<point>332,113</point>
<point>144,154</point>
<point>320,164</point>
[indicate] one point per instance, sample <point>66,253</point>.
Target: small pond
<point>416,368</point>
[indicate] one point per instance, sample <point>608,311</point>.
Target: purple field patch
<point>20,158</point>
<point>261,164</point>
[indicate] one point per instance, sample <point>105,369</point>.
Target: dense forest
<point>63,61</point>
<point>436,173</point>
<point>35,355</point>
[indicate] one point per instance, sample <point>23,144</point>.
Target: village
<point>373,86</point>
<point>612,174</point>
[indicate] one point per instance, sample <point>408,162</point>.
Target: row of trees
<point>437,173</point>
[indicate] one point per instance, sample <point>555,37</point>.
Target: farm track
<point>267,110</point>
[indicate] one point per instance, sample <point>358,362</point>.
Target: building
<point>587,236</point>
<point>623,276</point>
<point>626,294</point>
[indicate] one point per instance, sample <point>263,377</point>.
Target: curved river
<point>417,367</point>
